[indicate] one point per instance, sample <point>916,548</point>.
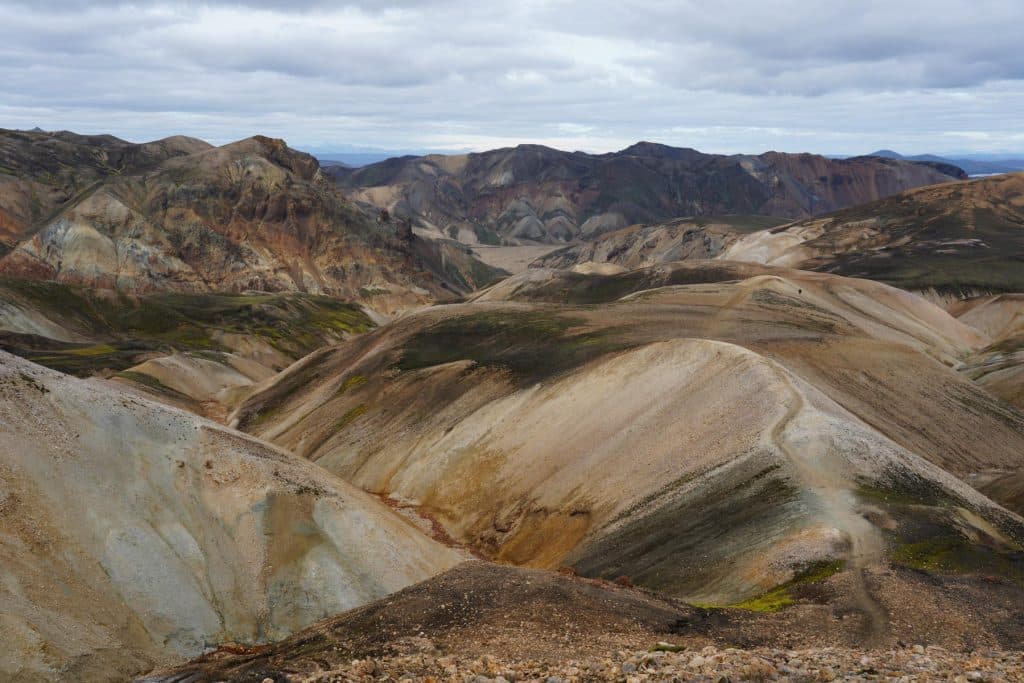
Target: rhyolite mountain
<point>535,193</point>
<point>179,215</point>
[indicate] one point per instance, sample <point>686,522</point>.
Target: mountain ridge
<point>534,193</point>
<point>178,215</point>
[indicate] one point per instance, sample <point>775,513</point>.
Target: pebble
<point>911,664</point>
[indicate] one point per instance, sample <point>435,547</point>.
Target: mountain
<point>181,216</point>
<point>534,193</point>
<point>952,240</point>
<point>969,165</point>
<point>712,431</point>
<point>134,535</point>
<point>42,172</point>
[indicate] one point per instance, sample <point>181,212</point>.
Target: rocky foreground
<point>667,663</point>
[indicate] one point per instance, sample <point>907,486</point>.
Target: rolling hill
<point>712,431</point>
<point>639,246</point>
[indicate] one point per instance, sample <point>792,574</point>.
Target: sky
<point>725,76</point>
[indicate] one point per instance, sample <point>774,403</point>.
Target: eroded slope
<point>135,534</point>
<point>532,193</point>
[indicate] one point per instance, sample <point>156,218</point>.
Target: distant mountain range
<point>972,165</point>
<point>533,193</point>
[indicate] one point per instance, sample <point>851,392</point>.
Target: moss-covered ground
<point>124,327</point>
<point>532,345</point>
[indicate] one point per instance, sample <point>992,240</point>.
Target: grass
<point>89,351</point>
<point>904,489</point>
<point>928,538</point>
<point>349,417</point>
<point>950,553</point>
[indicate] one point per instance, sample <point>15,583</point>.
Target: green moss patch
<point>783,596</point>
<point>951,553</point>
<point>351,383</point>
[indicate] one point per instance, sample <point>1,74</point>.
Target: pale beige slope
<point>1000,316</point>
<point>1000,367</point>
<point>133,534</point>
<point>221,378</point>
<point>723,288</point>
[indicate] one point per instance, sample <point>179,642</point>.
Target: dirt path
<point>814,467</point>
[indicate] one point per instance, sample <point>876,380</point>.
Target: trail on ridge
<point>816,470</point>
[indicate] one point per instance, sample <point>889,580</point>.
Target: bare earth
<point>513,259</point>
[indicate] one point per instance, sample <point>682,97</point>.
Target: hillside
<point>537,194</point>
<point>999,367</point>
<point>483,620</point>
<point>952,240</point>
<point>42,172</point>
<point>588,436</point>
<point>181,216</point>
<point>639,246</point>
<point>133,534</point>
<point>200,352</point>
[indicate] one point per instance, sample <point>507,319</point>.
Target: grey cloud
<point>730,75</point>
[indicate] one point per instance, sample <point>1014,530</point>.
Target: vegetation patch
<point>935,536</point>
<point>951,553</point>
<point>532,345</point>
<point>125,326</point>
<point>898,487</point>
<point>349,417</point>
<point>97,350</point>
<point>351,383</point>
<point>782,596</point>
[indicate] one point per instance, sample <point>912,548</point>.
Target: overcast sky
<point>832,76</point>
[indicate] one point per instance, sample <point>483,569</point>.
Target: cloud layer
<point>729,76</point>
